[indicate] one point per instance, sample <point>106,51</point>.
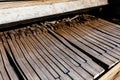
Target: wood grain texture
<point>113,74</point>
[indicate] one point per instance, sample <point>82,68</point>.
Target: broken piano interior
<point>60,40</point>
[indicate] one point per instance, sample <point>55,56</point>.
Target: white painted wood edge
<point>29,12</point>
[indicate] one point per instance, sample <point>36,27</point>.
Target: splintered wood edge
<point>19,11</point>
<point>110,75</point>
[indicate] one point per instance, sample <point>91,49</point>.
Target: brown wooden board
<point>113,74</point>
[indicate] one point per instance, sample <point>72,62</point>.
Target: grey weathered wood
<point>24,59</point>
<point>103,53</point>
<point>24,69</point>
<point>3,72</point>
<point>77,69</point>
<point>38,44</point>
<point>99,44</point>
<point>7,65</point>
<point>35,9</point>
<point>86,48</point>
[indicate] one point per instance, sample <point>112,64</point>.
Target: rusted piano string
<point>6,70</point>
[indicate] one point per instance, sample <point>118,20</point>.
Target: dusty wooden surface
<point>18,11</point>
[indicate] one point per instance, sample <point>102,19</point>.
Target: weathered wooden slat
<point>23,68</point>
<point>115,37</point>
<point>34,60</point>
<point>62,75</point>
<point>89,68</point>
<point>57,63</point>
<point>92,46</point>
<point>6,46</point>
<point>86,48</point>
<point>114,40</point>
<point>45,60</point>
<point>25,53</point>
<point>55,43</point>
<point>1,77</point>
<point>71,71</point>
<point>66,50</point>
<point>89,60</point>
<point>3,72</point>
<point>7,65</point>
<point>103,53</point>
<point>99,44</point>
<point>104,42</point>
<point>24,59</point>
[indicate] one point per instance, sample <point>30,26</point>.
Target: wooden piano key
<point>8,67</point>
<point>5,44</point>
<point>71,54</point>
<point>95,37</point>
<point>111,37</point>
<point>23,68</point>
<point>1,77</point>
<point>57,62</point>
<point>76,64</point>
<point>25,61</point>
<point>85,48</point>
<point>73,73</point>
<point>76,51</point>
<point>80,38</point>
<point>45,70</point>
<point>115,37</point>
<point>36,67</point>
<point>109,51</point>
<point>109,28</point>
<point>48,39</point>
<point>108,45</point>
<point>45,60</point>
<point>74,76</point>
<point>108,23</point>
<point>52,64</point>
<point>77,69</point>
<point>55,74</point>
<point>3,72</point>
<point>103,53</point>
<point>100,36</point>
